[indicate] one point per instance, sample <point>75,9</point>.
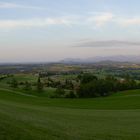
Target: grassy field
<point>24,117</point>
<point>21,78</point>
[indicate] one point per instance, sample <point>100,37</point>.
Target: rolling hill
<point>30,117</point>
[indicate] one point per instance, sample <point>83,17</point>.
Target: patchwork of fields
<point>25,117</point>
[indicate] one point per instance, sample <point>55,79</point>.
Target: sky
<point>52,30</point>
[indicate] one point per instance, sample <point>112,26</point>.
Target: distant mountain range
<point>118,58</point>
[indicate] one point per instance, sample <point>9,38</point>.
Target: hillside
<point>105,59</point>
<point>30,117</point>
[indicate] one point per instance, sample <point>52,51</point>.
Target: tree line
<point>86,85</point>
<point>91,86</point>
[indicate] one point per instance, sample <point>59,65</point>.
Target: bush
<point>27,86</point>
<point>87,90</point>
<point>86,78</point>
<point>40,85</point>
<point>59,93</point>
<point>71,94</point>
<point>14,83</point>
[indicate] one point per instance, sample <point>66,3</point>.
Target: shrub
<point>71,94</point>
<point>59,92</point>
<point>14,83</point>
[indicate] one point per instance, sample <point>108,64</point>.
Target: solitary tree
<point>27,86</point>
<point>14,83</point>
<point>40,85</point>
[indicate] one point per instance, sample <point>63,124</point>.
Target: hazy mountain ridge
<point>118,58</point>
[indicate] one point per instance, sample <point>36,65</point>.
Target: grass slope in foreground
<point>38,118</point>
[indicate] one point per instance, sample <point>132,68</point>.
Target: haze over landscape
<point>69,70</point>
<point>44,30</point>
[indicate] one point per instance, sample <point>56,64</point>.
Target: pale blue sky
<point>50,30</point>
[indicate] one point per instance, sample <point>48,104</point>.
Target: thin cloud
<point>129,21</point>
<point>93,20</point>
<point>111,43</point>
<point>100,19</point>
<point>6,5</point>
<point>30,23</point>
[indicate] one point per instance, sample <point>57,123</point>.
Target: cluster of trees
<point>27,85</point>
<point>61,93</point>
<point>4,76</point>
<point>67,84</point>
<point>91,86</point>
<point>87,86</point>
<point>63,89</point>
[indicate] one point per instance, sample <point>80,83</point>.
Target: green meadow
<point>31,117</point>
